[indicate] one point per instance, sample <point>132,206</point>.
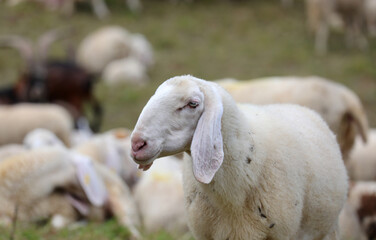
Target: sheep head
<point>184,114</point>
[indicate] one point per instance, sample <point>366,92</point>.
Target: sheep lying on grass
<point>255,172</point>
<point>20,119</point>
<point>338,106</point>
<point>112,149</point>
<point>31,178</point>
<point>64,186</point>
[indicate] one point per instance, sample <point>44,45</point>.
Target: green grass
<point>109,230</point>
<point>210,39</point>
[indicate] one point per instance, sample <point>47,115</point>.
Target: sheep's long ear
<point>89,179</point>
<point>207,143</point>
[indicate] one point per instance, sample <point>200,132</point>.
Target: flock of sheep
<point>266,170</point>
<point>356,18</point>
<point>223,159</point>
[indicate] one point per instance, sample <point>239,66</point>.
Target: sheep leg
<point>321,41</point>
<point>100,8</point>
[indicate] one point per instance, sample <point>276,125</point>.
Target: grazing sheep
<point>20,119</point>
<point>361,165</point>
<point>112,149</point>
<point>126,70</point>
<point>340,107</point>
<point>322,14</point>
<point>358,218</point>
<point>34,177</point>
<point>160,199</point>
<point>254,172</point>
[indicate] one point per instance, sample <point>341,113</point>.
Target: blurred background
<point>210,39</point>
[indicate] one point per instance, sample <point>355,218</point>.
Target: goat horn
<point>23,45</point>
<point>46,40</point>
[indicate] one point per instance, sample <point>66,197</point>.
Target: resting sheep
<point>361,165</point>
<point>112,149</point>
<point>254,172</point>
<point>160,199</point>
<point>65,186</point>
<point>340,107</point>
<point>19,119</point>
<point>38,177</point>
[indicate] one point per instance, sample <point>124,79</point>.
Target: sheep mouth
<point>146,164</point>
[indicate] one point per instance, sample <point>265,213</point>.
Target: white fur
<point>160,198</point>
<point>18,120</point>
<point>112,149</point>
<point>110,43</point>
<point>361,165</point>
<point>125,70</point>
<point>41,137</point>
<point>340,107</point>
<point>103,46</point>
<point>282,175</point>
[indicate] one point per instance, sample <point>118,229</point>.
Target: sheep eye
<point>193,104</point>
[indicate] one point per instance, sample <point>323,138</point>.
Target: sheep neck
<point>236,176</point>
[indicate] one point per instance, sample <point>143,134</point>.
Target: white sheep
<point>11,149</point>
<point>361,165</point>
<point>112,149</point>
<point>322,14</point>
<point>339,106</point>
<point>41,137</point>
<point>160,198</point>
<point>125,70</point>
<point>19,119</point>
<point>254,172</point>
<point>102,46</point>
<point>60,184</point>
<point>111,43</point>
<point>358,218</point>
<point>32,178</point>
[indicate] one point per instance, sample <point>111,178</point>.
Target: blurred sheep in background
<point>362,161</point>
<point>120,56</point>
<point>18,120</point>
<point>51,80</point>
<point>322,15</point>
<point>357,219</point>
<point>67,7</point>
<point>339,106</point>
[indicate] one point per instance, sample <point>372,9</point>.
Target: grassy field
<point>210,39</point>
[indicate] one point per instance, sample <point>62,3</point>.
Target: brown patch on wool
<point>367,206</point>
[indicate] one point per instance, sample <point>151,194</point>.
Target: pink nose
<point>138,144</point>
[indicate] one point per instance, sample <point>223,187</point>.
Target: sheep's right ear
<point>207,143</point>
<point>89,179</point>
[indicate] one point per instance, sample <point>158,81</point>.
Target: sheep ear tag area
<point>89,179</point>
